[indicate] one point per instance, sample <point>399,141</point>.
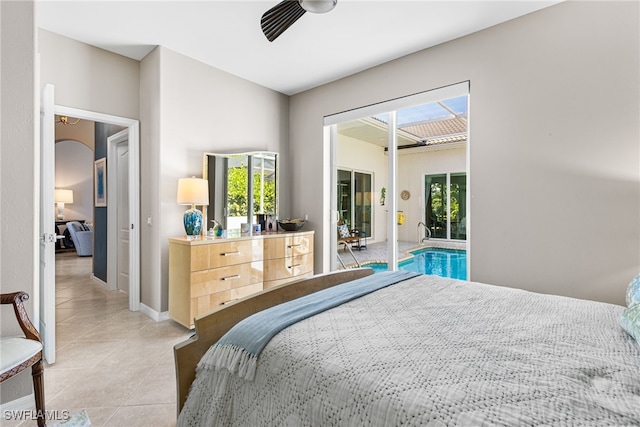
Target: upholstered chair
<point>20,353</point>
<point>82,237</point>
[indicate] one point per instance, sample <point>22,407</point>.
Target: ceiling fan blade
<point>280,17</point>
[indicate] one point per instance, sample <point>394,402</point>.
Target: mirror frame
<point>220,186</point>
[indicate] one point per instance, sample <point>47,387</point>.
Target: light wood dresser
<point>205,273</point>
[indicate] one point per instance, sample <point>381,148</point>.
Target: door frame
<point>133,134</point>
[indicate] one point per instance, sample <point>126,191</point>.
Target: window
<point>446,205</point>
<point>355,199</point>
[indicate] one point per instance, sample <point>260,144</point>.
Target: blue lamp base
<point>192,222</point>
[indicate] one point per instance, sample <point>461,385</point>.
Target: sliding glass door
<point>362,205</point>
<point>344,197</point>
<point>416,147</point>
<point>446,205</point>
<point>458,206</point>
<point>355,200</point>
<point>436,206</point>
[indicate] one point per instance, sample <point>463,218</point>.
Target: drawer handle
<point>294,265</point>
<point>230,253</point>
<point>237,276</point>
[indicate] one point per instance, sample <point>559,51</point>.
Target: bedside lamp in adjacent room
<point>61,197</point>
<point>193,191</point>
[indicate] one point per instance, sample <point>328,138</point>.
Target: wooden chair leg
<point>38,390</point>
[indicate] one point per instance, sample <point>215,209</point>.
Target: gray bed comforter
<point>434,351</point>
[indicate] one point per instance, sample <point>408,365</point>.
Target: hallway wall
<point>74,171</point>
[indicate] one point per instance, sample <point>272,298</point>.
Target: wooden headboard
<point>210,327</point>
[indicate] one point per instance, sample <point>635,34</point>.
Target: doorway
<point>132,194</point>
<point>46,300</point>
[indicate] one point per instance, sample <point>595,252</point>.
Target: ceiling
<point>317,49</point>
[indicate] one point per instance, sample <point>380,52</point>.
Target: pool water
<point>439,262</point>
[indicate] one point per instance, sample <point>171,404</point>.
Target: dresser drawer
<point>281,247</point>
<point>204,257</point>
<point>205,303</point>
<point>225,278</point>
<point>283,268</point>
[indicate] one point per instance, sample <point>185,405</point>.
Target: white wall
<point>354,154</point>
<point>89,78</point>
<point>201,109</point>
<point>19,176</point>
<point>74,171</point>
<point>554,170</point>
<point>412,169</point>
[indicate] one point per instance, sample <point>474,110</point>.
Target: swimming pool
<point>439,262</point>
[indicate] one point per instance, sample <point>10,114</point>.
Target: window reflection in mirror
<point>234,193</point>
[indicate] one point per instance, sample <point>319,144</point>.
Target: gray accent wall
<point>554,173</point>
<point>100,260</point>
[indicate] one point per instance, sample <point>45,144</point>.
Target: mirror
<point>236,196</point>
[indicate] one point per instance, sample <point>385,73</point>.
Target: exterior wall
<point>554,173</point>
<point>354,154</point>
<point>19,176</point>
<point>411,171</point>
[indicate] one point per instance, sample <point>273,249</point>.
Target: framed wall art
<point>100,182</point>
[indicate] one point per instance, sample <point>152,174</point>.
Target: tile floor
<point>116,364</point>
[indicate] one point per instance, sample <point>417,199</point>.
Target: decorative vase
<point>192,222</point>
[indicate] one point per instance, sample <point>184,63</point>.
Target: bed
<point>423,351</point>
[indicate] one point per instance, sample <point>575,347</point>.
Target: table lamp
<point>61,197</point>
<point>193,191</point>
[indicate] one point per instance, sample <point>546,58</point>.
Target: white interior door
<point>47,281</point>
<point>119,224</point>
<point>122,159</point>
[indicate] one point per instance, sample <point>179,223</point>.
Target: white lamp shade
<point>193,191</point>
<point>63,196</point>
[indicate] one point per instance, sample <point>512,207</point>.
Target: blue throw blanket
<point>239,348</point>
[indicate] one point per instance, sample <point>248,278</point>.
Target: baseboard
<point>100,282</point>
<point>155,315</point>
<point>24,403</point>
